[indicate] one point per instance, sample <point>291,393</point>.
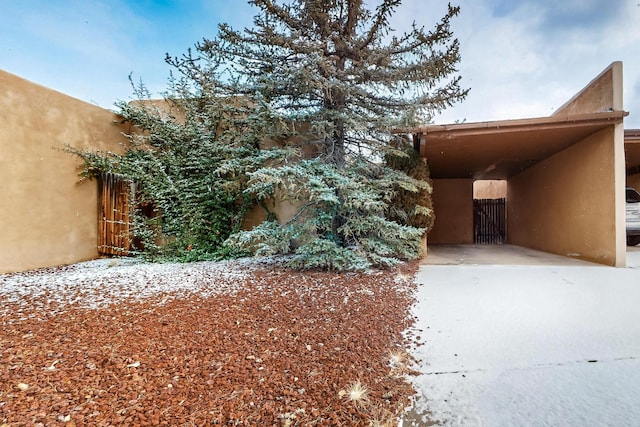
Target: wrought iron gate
<point>489,221</point>
<point>114,214</point>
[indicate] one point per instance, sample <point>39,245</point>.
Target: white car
<point>633,217</point>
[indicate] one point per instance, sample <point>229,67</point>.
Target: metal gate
<point>489,221</point>
<point>114,214</point>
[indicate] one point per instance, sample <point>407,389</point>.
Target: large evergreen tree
<point>325,82</point>
<point>336,70</point>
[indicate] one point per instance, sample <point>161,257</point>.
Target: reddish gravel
<point>241,344</point>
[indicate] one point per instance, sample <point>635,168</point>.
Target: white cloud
<point>521,58</point>
<point>526,59</point>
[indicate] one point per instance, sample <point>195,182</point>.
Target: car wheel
<point>633,240</point>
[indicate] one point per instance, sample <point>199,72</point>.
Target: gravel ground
<point>118,342</point>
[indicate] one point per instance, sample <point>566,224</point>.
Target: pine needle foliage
<point>340,223</point>
<point>338,67</point>
<point>413,208</point>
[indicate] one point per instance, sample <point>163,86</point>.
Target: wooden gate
<point>114,214</point>
<point>489,221</point>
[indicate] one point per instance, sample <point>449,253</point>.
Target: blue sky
<point>521,58</point>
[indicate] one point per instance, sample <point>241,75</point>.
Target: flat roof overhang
<point>632,150</point>
<point>501,149</point>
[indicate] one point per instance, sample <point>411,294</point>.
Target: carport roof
<point>500,149</point>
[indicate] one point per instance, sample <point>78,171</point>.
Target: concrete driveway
<point>536,340</point>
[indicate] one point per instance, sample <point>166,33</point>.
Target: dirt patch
<point>238,345</point>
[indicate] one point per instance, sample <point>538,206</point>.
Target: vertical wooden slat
<point>114,215</point>
<point>489,221</point>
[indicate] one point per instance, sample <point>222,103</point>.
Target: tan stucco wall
<point>634,181</point>
<point>603,93</point>
<point>566,204</point>
<point>47,218</point>
<point>490,189</point>
<point>453,205</point>
<point>283,210</point>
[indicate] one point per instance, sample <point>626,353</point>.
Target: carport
<point>565,175</point>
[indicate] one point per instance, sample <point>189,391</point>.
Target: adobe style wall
<point>603,93</point>
<point>47,217</point>
<point>573,203</point>
<point>490,189</point>
<point>564,205</point>
<point>453,205</point>
<point>284,210</point>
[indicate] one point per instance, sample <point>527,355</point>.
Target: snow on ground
<point>528,346</point>
<point>101,282</point>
